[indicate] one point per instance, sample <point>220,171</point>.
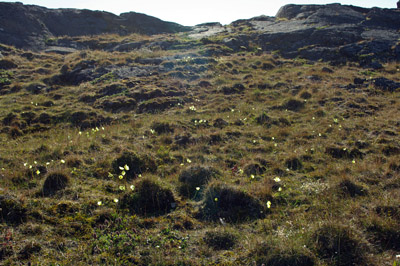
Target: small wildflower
<point>62,161</point>
<point>313,118</point>
<point>241,171</point>
<point>279,189</point>
<point>140,175</point>
<point>268,204</point>
<point>102,128</point>
<point>254,141</point>
<point>34,162</point>
<point>197,188</point>
<point>38,172</point>
<point>121,168</point>
<point>252,176</point>
<point>48,163</point>
<point>273,138</point>
<point>132,187</point>
<point>277,179</point>
<point>215,199</point>
<point>182,164</point>
<point>188,160</point>
<point>126,167</point>
<point>121,187</point>
<point>152,131</point>
<point>123,173</point>
<point>116,200</point>
<point>30,166</point>
<point>121,177</point>
<point>99,203</point>
<point>25,164</point>
<point>354,161</point>
<point>110,175</point>
<point>80,133</point>
<point>276,144</point>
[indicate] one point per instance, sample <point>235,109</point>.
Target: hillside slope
<point>185,149</point>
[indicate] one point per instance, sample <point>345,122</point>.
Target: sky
<point>190,13</point>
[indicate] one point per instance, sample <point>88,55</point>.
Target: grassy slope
<point>355,199</point>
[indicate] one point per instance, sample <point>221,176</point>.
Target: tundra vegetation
<point>197,154</point>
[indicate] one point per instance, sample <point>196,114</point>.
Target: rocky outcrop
<point>331,32</point>
<point>29,26</point>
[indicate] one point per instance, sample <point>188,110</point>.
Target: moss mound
<point>231,204</point>
<point>194,179</point>
<point>149,199</point>
<point>137,164</point>
<point>54,182</point>
<point>340,245</point>
<point>12,211</point>
<point>220,240</point>
<point>275,254</point>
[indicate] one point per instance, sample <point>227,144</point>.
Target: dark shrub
<point>193,177</point>
<point>11,210</point>
<point>231,204</point>
<point>54,182</point>
<point>137,164</point>
<point>340,245</point>
<point>149,198</point>
<point>220,240</point>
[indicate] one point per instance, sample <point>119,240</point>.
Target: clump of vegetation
<point>340,244</point>
<point>220,240</point>
<point>137,164</point>
<point>225,202</point>
<point>193,180</point>
<point>12,211</point>
<point>149,198</point>
<point>281,253</point>
<point>55,182</point>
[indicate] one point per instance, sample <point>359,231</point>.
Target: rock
<point>386,84</point>
<point>60,50</point>
<point>31,26</point>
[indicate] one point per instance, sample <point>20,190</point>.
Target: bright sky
<point>190,13</point>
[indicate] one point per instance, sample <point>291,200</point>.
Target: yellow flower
<point>279,189</point>
<point>122,187</point>
<point>99,203</point>
<point>126,167</point>
<point>120,177</point>
<point>116,200</point>
<point>123,173</point>
<point>121,168</point>
<point>252,176</point>
<point>215,199</point>
<point>268,204</point>
<point>197,188</point>
<point>62,161</point>
<point>188,160</point>
<point>277,179</point>
<point>132,187</point>
<point>354,161</point>
<point>110,175</point>
<point>38,172</point>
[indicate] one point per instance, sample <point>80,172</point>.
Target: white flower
<point>99,203</point>
<point>268,204</point>
<point>116,200</point>
<point>126,167</point>
<point>132,187</point>
<point>62,161</point>
<point>277,179</point>
<point>197,188</point>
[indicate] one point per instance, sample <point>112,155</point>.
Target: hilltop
<point>272,140</point>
